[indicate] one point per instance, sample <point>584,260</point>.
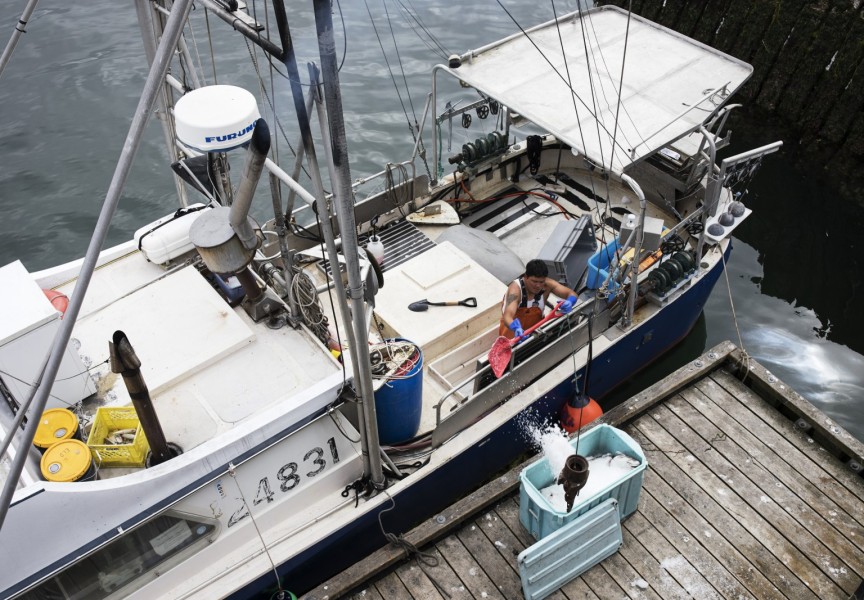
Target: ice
<point>603,472</point>
<point>554,444</point>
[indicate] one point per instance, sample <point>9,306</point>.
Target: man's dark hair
<point>536,268</point>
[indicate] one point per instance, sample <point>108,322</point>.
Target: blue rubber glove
<point>568,305</point>
<point>516,328</point>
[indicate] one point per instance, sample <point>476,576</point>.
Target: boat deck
<point>737,502</point>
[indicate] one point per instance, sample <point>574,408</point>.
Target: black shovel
<point>423,305</point>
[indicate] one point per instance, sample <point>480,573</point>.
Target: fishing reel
<point>480,149</point>
<point>672,271</point>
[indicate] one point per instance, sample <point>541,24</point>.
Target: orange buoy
<point>579,412</point>
<point>58,300</point>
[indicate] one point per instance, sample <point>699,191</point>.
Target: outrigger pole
<point>158,70</point>
<point>344,204</point>
<point>19,29</point>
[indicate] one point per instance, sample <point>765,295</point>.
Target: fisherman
<point>526,297</point>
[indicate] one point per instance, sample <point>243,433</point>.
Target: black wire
<point>307,234</point>
<point>439,49</point>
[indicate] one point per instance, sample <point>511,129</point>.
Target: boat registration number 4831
<point>287,477</point>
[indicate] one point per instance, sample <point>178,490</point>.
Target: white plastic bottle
<point>376,247</point>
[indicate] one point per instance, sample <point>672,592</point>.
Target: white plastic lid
<point>216,118</point>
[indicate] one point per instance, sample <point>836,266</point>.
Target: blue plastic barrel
<point>399,402</point>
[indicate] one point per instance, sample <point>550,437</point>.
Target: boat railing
<point>714,127</point>
<point>392,197</point>
<point>484,398</point>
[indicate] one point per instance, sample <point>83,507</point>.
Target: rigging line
<point>232,472</point>
<point>401,66</point>
<point>745,357</point>
<point>605,214</point>
<point>210,43</point>
<point>590,50</point>
<point>606,66</point>
<point>590,85</point>
<point>621,80</point>
<point>34,384</point>
<point>200,66</point>
<point>575,107</point>
<point>271,104</point>
<point>415,125</point>
<point>272,90</point>
<point>557,72</point>
<point>439,48</point>
<point>389,70</point>
<point>595,48</point>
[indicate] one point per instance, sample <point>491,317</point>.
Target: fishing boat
<point>261,406</point>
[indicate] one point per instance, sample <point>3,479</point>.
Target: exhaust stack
<point>226,238</point>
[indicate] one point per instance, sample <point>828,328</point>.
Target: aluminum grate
<point>402,242</point>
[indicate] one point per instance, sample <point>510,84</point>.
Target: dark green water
<point>69,93</point>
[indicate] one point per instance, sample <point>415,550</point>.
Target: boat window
<point>129,561</point>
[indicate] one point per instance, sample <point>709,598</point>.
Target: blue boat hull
<point>462,474</point>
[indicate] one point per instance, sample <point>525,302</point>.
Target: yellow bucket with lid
<point>69,460</point>
<point>56,425</point>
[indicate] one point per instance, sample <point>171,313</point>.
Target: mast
<point>344,205</point>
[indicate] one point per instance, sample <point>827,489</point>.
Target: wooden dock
<point>750,492</point>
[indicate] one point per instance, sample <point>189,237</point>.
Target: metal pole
<point>19,29</point>
<point>298,160</point>
<point>155,78</point>
<point>308,144</point>
<point>164,116</point>
<point>712,192</point>
<point>344,195</point>
<point>329,237</point>
<point>634,264</point>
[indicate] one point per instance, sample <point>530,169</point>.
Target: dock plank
<point>602,584</point>
<point>679,524</point>
<point>690,452</point>
<point>846,487</point>
<point>415,580</point>
<point>735,528</point>
<point>766,496</point>
<point>649,569</point>
<point>445,576</point>
<point>368,592</point>
<point>483,544</point>
<point>788,462</point>
<point>628,569</point>
<point>821,517</point>
<point>391,587</point>
<point>678,564</point>
<point>469,571</point>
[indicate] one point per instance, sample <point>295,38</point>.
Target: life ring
<point>58,300</point>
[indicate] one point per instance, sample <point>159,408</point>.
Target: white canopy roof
<point>671,83</point>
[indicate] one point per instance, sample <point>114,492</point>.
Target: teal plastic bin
<point>399,402</point>
<point>540,519</point>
